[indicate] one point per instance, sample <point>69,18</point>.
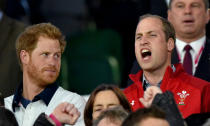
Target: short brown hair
<point>141,114</point>
<point>168,28</point>
<point>206,3</point>
<point>89,105</point>
<point>27,40</point>
<point>114,115</point>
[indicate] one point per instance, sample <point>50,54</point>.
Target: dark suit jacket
<point>202,70</point>
<point>10,73</point>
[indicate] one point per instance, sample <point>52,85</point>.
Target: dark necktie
<point>187,63</point>
<point>145,85</point>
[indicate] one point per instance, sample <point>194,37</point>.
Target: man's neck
<point>190,38</point>
<point>153,79</point>
<point>156,76</point>
<point>30,89</point>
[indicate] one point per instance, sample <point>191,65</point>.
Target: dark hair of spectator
<point>141,114</point>
<point>89,105</point>
<point>114,115</point>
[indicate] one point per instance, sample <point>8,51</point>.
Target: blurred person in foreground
<point>152,116</point>
<point>111,117</point>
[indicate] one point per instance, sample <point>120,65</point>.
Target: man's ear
<point>24,57</point>
<point>170,44</point>
<point>208,16</point>
<point>169,15</point>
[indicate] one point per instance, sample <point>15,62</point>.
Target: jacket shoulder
<point>193,81</point>
<point>130,89</point>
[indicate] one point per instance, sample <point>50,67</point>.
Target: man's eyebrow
<point>150,32</point>
<point>139,34</point>
<point>146,32</point>
<point>58,52</point>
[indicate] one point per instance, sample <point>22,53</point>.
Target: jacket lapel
<point>203,68</point>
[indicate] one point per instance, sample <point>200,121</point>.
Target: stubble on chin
<point>41,78</point>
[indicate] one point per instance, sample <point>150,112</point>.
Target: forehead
<point>107,96</point>
<point>151,121</point>
<point>188,1</point>
<point>149,24</point>
<point>45,43</point>
<point>108,122</point>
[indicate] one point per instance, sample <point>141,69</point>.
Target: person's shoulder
<point>63,95</point>
<point>207,44</point>
<point>198,83</point>
<point>207,40</point>
<point>195,82</point>
<point>9,98</point>
<point>13,21</point>
<point>130,89</point>
<point>8,102</point>
<point>12,26</point>
<point>65,92</point>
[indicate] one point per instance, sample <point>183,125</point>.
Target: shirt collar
<point>24,101</point>
<point>167,2</point>
<point>196,45</point>
<point>46,95</point>
<point>146,83</point>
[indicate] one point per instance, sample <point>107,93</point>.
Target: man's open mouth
<point>145,53</point>
<point>188,21</point>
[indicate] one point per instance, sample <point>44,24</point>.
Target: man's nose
<point>187,10</point>
<point>52,61</point>
<point>144,40</point>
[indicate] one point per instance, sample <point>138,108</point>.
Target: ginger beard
<point>44,76</point>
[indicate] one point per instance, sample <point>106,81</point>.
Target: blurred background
<point>99,33</point>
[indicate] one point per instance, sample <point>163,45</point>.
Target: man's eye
<point>195,5</point>
<point>153,35</point>
<point>138,37</point>
<point>179,6</point>
<point>45,54</point>
<point>57,55</point>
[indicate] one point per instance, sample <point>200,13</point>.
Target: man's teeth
<point>145,50</point>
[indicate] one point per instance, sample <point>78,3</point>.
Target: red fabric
<point>191,94</point>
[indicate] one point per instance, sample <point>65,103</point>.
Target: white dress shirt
<point>27,116</point>
<point>167,2</point>
<point>196,51</point>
